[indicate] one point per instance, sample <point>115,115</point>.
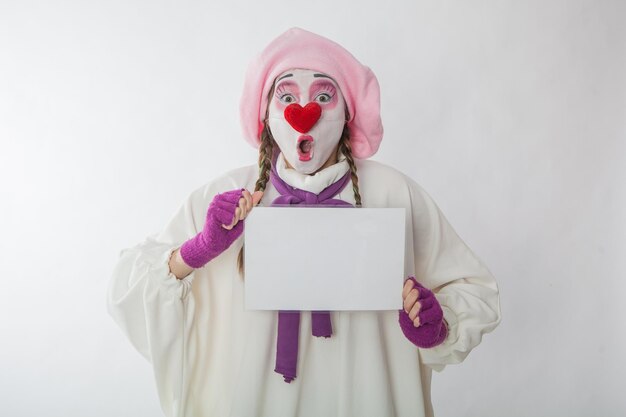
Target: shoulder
<point>374,169</point>
<point>237,177</point>
<point>382,179</point>
<point>381,185</point>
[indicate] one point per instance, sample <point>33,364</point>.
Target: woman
<point>313,111</point>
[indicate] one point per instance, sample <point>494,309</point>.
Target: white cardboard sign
<point>322,258</point>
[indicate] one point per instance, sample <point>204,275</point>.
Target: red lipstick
<point>305,147</point>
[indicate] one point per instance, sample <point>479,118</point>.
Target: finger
<point>221,216</point>
<point>410,300</point>
<point>256,197</point>
<point>242,209</point>
<point>246,194</point>
<point>234,221</point>
<point>230,226</point>
<point>415,283</point>
<point>425,293</point>
<point>432,315</point>
<point>417,322</point>
<point>426,303</point>
<point>415,310</point>
<point>231,196</point>
<point>236,216</point>
<point>408,285</point>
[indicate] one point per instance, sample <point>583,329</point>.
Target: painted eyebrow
<point>321,75</point>
<point>284,76</point>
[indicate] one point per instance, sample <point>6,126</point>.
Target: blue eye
<point>323,97</point>
<point>287,98</point>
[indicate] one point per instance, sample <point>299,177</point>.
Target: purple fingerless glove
<point>214,239</point>
<point>432,330</point>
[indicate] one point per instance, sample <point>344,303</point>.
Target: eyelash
<point>280,91</point>
<point>326,89</point>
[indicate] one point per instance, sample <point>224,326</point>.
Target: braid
<point>265,158</point>
<point>346,149</point>
<point>266,150</point>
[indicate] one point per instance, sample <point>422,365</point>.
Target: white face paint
<point>305,140</point>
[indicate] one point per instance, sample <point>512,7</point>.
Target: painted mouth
<point>305,148</point>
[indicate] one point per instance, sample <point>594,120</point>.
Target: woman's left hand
<point>421,319</point>
<point>417,299</point>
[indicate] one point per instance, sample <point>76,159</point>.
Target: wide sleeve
<point>155,309</point>
<point>465,288</point>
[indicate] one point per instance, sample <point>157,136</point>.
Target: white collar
<point>312,183</point>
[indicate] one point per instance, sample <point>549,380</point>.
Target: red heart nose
<point>303,118</point>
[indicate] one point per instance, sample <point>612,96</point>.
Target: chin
<point>308,170</point>
<point>309,167</point>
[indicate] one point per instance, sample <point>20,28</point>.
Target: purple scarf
<point>289,321</point>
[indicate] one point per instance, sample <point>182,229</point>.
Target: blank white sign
<point>304,258</point>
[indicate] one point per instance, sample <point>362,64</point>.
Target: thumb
<point>256,197</point>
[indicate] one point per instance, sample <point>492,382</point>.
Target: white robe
<point>211,357</point>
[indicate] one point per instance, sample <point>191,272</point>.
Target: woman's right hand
<point>245,205</point>
<point>222,226</point>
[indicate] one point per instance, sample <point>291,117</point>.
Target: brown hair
<point>266,152</point>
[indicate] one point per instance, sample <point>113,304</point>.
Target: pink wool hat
<point>298,48</point>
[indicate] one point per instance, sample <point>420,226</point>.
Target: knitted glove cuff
<point>214,239</point>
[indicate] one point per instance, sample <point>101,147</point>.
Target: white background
<point>511,114</point>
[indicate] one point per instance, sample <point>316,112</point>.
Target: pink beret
<point>298,48</point>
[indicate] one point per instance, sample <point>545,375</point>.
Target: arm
<point>463,286</point>
<point>223,225</point>
<point>151,300</point>
<point>153,308</point>
<point>177,265</point>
